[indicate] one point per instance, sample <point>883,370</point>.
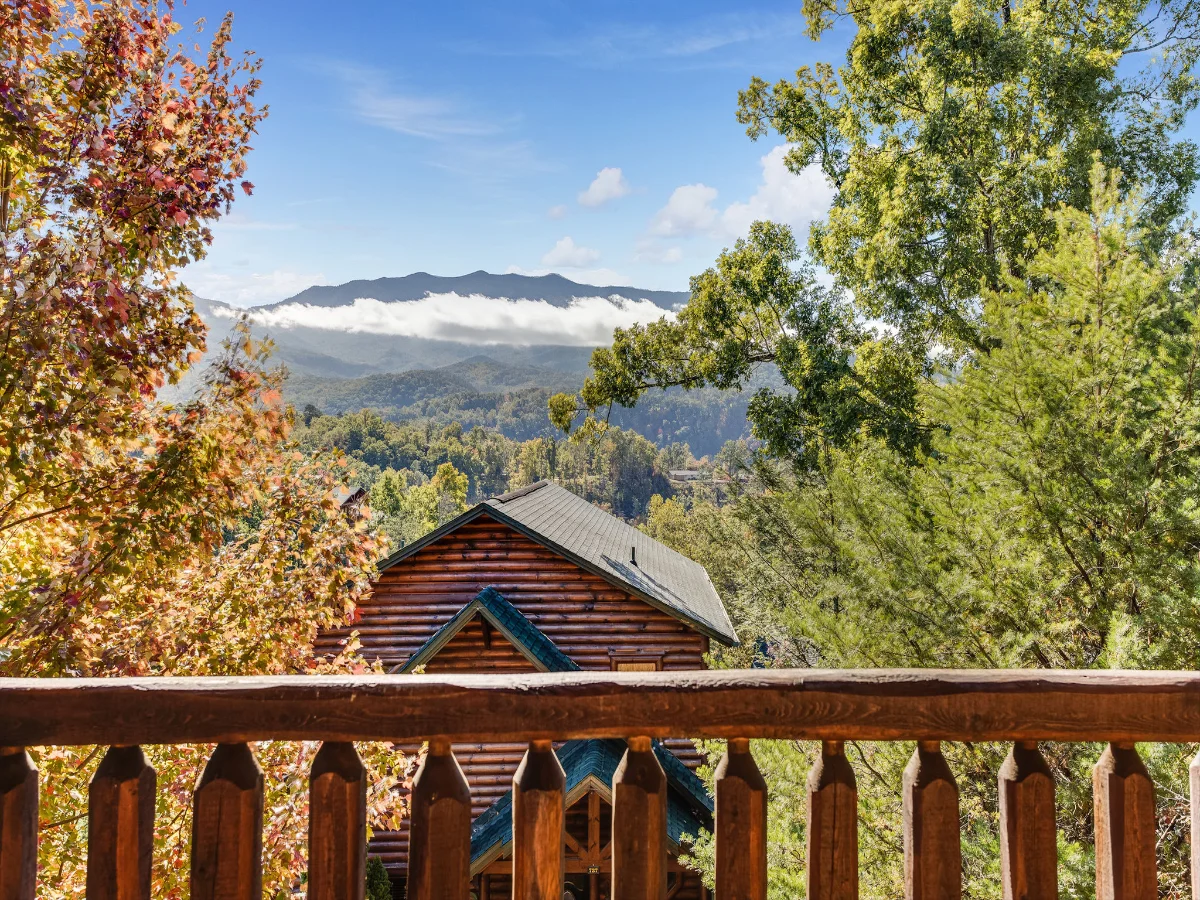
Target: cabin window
<point>636,663</point>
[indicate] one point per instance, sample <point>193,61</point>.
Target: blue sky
<point>449,137</point>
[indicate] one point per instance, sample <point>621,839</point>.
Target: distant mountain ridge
<point>553,289</point>
<point>504,386</point>
<point>333,353</point>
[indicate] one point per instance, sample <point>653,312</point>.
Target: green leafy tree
<point>405,512</point>
<point>1053,524</point>
<point>950,134</point>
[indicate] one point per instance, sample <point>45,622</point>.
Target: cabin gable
<point>596,624</point>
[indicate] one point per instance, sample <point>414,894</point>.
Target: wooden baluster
<point>1194,778</point>
<point>227,825</point>
<point>337,824</point>
<point>832,826</point>
<point>121,826</point>
<point>539,814</point>
<point>1028,833</point>
<point>1125,836</point>
<point>18,824</point>
<point>741,825</point>
<point>439,861</point>
<point>639,829</point>
<point>932,846</point>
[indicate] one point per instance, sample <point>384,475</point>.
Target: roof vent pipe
<point>633,556</point>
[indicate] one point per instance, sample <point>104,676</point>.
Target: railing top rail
<point>862,704</point>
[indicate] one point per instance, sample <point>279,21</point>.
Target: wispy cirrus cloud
<point>377,100</point>
<point>696,41</point>
<point>469,142</point>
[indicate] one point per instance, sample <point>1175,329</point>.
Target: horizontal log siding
<point>472,651</point>
<point>588,618</point>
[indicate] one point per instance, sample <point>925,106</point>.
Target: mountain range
<point>389,345</point>
<point>300,326</point>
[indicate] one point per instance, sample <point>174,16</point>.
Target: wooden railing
<point>928,706</point>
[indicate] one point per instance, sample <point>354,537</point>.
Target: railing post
<point>18,824</point>
<point>1028,832</point>
<point>227,825</point>
<point>832,826</point>
<point>932,845</point>
<point>741,795</point>
<point>439,862</point>
<point>121,826</point>
<point>539,793</point>
<point>337,824</point>
<point>1125,826</point>
<point>639,830</point>
<point>1194,779</point>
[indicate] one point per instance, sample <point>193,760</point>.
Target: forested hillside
<point>421,475</point>
<point>512,400</point>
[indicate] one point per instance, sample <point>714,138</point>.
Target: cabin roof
<point>509,621</point>
<point>606,546</point>
<point>593,763</point>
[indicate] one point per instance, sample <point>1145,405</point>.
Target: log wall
<point>589,619</point>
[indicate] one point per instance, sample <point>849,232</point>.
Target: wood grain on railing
<point>887,705</point>
<point>439,858</point>
<point>1125,832</point>
<point>121,826</point>
<point>741,825</point>
<point>639,825</point>
<point>539,813</point>
<point>337,824</point>
<point>227,824</point>
<point>932,844</point>
<point>924,706</point>
<point>1028,832</point>
<point>832,826</point>
<point>18,824</point>
<point>1194,785</point>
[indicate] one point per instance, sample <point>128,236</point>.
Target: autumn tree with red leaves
<point>139,538</point>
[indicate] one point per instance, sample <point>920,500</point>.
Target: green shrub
<point>379,886</point>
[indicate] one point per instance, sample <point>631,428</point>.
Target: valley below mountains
<point>480,349</point>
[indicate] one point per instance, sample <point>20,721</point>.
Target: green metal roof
<point>509,621</point>
<point>689,806</point>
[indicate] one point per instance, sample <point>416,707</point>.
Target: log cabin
<point>540,580</point>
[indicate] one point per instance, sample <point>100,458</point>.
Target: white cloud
<point>249,288</point>
<point>794,200</point>
<point>689,211</point>
<point>568,254</point>
<point>609,184</point>
<point>781,196</point>
<point>557,212</point>
<point>473,319</point>
<point>654,252</point>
